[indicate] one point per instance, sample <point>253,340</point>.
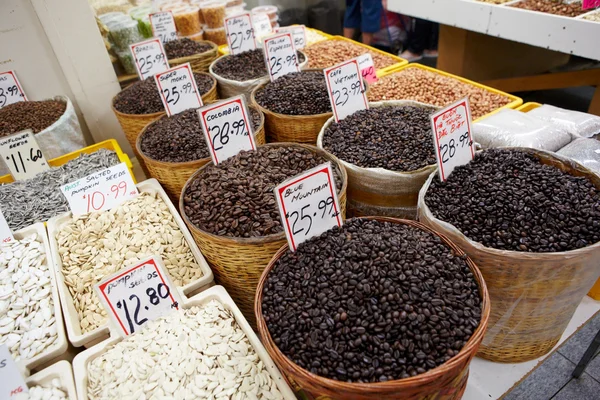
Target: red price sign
<point>280,55</point>
<point>163,26</point>
<point>587,4</point>
<point>12,383</point>
<point>240,33</point>
<point>452,136</point>
<point>149,57</point>
<point>367,68</point>
<point>346,89</point>
<point>11,90</point>
<point>5,232</point>
<point>178,89</point>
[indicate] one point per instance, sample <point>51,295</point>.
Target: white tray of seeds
<point>54,382</point>
<point>95,245</point>
<point>31,321</point>
<point>205,350</point>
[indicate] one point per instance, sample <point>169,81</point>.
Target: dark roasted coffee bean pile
<point>506,199</point>
<point>371,302</point>
<point>397,138</point>
<point>298,93</point>
<point>143,97</point>
<point>244,66</point>
<point>184,48</point>
<point>34,115</point>
<point>236,197</point>
<point>179,138</point>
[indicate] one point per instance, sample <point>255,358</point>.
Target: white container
<point>81,361</point>
<point>76,337</point>
<point>59,347</point>
<point>62,371</point>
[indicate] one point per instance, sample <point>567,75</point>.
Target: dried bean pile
<point>506,199</point>
<point>236,197</point>
<point>431,88</point>
<point>397,138</point>
<point>495,1</point>
<point>371,302</point>
<point>179,138</point>
<point>143,97</point>
<point>184,48</point>
<point>331,52</point>
<point>245,66</point>
<point>38,199</point>
<point>34,115</point>
<point>593,17</point>
<point>52,391</point>
<point>551,7</point>
<point>298,93</point>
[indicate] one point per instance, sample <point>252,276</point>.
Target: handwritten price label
<point>5,232</point>
<point>367,67</point>
<point>346,90</point>
<point>227,128</point>
<point>100,191</point>
<point>11,90</point>
<point>163,26</point>
<point>308,204</point>
<point>299,33</point>
<point>22,155</point>
<point>11,380</point>
<point>280,55</point>
<point>587,4</point>
<point>262,26</point>
<point>150,58</point>
<point>178,89</point>
<point>452,135</point>
<point>240,33</point>
<point>138,294</point>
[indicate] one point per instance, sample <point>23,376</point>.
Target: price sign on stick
<point>240,33</point>
<point>299,32</point>
<point>346,90</point>
<point>100,191</point>
<point>227,128</point>
<point>137,294</point>
<point>280,55</point>
<point>452,137</point>
<point>163,26</point>
<point>11,380</point>
<point>22,155</point>
<point>5,232</point>
<point>308,204</point>
<point>11,90</point>
<point>367,67</point>
<point>262,26</point>
<point>149,57</point>
<point>178,89</point>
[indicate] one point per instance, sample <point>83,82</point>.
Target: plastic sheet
<point>511,128</point>
<point>578,124</point>
<point>585,151</point>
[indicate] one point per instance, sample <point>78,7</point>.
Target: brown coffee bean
<point>34,115</point>
<point>245,66</point>
<point>551,7</point>
<point>185,48</point>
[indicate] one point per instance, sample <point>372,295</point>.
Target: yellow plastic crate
<point>514,104</point>
<point>110,144</point>
<point>526,107</point>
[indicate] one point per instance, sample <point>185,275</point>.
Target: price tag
<point>299,32</point>
<point>367,67</point>
<point>11,380</point>
<point>452,135</point>
<point>11,90</point>
<point>240,33</point>
<point>346,90</point>
<point>227,128</point>
<point>5,232</point>
<point>308,204</point>
<point>22,155</point>
<point>587,4</point>
<point>163,26</point>
<point>150,58</point>
<point>280,55</point>
<point>138,294</point>
<point>178,89</point>
<point>100,191</point>
<point>262,26</point>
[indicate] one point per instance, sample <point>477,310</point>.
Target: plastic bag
<point>585,151</point>
<point>578,124</point>
<point>511,128</point>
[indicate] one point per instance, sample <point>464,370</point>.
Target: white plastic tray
<point>76,337</point>
<point>60,345</point>
<point>81,361</point>
<point>61,370</point>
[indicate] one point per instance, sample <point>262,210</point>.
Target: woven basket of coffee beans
<point>203,53</point>
<point>530,220</point>
<point>173,148</point>
<point>379,308</point>
<point>388,153</point>
<point>241,73</point>
<point>232,212</point>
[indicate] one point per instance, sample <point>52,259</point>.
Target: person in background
<point>363,15</point>
<point>422,40</point>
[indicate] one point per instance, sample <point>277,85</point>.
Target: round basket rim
<point>182,60</point>
<point>468,350</point>
<point>260,239</point>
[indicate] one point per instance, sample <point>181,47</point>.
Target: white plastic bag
<point>578,124</point>
<point>585,151</point>
<point>511,128</point>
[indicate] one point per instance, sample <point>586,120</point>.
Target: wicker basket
<point>173,175</point>
<point>534,295</point>
<point>447,381</point>
<point>199,62</point>
<point>238,262</point>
